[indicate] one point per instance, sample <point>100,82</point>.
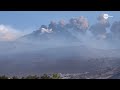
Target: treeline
<point>45,76</point>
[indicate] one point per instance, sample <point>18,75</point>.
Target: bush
<point>3,77</point>
<point>15,77</point>
<point>32,77</point>
<point>45,76</point>
<point>56,76</point>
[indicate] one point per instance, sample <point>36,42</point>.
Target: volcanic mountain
<point>45,34</point>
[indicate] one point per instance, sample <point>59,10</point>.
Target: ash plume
<point>115,30</point>
<point>79,24</point>
<point>99,29</point>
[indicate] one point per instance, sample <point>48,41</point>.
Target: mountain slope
<point>48,34</point>
<point>73,59</point>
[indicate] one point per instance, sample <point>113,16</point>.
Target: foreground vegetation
<point>45,76</point>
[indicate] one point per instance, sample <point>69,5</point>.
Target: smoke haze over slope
<point>64,46</point>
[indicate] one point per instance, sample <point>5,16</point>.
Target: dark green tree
<point>15,77</point>
<point>32,77</point>
<point>45,76</point>
<point>3,77</point>
<point>56,76</point>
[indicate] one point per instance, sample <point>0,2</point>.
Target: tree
<point>23,78</point>
<point>3,77</point>
<point>32,77</point>
<point>56,76</point>
<point>14,77</point>
<point>45,76</point>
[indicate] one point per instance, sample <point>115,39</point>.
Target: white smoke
<point>43,30</point>
<point>7,33</point>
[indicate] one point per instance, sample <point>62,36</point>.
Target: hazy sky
<point>34,19</point>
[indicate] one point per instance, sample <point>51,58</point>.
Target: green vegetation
<point>56,76</point>
<point>32,77</point>
<point>44,76</point>
<point>15,77</point>
<point>4,77</point>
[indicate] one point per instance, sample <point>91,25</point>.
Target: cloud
<point>99,28</point>
<point>62,23</point>
<point>115,29</point>
<point>7,33</point>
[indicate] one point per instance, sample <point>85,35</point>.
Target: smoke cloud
<point>115,29</point>
<point>43,30</point>
<point>99,29</point>
<point>74,30</point>
<point>80,24</point>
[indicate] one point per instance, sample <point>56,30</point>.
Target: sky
<point>34,19</point>
<point>28,21</point>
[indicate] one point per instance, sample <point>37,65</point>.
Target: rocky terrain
<point>83,61</point>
